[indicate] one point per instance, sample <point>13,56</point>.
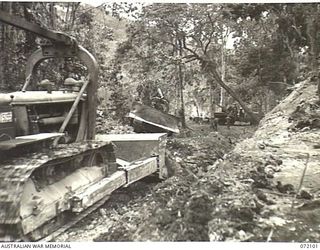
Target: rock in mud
<point>245,213</point>
<point>198,209</point>
<point>260,180</point>
<point>120,234</point>
<point>305,195</point>
<point>268,170</point>
<point>263,197</point>
<point>261,145</point>
<point>286,189</point>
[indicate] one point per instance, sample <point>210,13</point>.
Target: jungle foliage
<point>201,56</point>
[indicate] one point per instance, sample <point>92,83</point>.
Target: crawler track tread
<point>74,220</point>
<point>14,173</point>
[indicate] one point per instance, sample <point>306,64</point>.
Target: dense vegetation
<point>255,52</point>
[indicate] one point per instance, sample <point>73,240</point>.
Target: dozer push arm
<point>34,28</point>
<point>62,46</point>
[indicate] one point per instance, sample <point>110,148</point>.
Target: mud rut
<point>177,209</point>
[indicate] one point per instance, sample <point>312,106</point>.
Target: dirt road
<point>152,210</point>
<point>265,189</point>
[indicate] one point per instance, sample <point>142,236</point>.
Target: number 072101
<point>309,245</point>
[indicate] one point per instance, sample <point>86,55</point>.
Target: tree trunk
<point>182,111</point>
<point>313,26</point>
<point>2,51</point>
<point>197,109</point>
<point>196,104</point>
<point>209,67</point>
<point>66,18</point>
<point>73,14</point>
<point>223,73</point>
<point>177,94</point>
<point>212,106</point>
<point>53,16</point>
<point>30,44</point>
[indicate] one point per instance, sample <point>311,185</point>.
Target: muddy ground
<point>226,186</point>
<point>161,210</point>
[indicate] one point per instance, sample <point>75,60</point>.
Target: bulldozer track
<point>15,173</point>
<point>74,220</point>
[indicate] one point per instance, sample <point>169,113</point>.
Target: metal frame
<point>63,46</point>
<point>67,51</point>
<point>35,28</point>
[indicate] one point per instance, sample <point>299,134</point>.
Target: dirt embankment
<point>265,189</point>
<point>272,190</point>
<point>179,208</point>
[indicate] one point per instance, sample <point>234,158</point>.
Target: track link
<point>14,173</point>
<point>74,220</point>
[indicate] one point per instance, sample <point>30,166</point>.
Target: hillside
<point>265,189</point>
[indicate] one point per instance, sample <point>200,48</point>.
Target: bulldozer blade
<point>147,119</point>
<point>137,152</point>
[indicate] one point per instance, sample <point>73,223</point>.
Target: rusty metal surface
<point>15,172</point>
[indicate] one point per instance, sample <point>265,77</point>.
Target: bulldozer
<point>230,115</point>
<point>54,169</point>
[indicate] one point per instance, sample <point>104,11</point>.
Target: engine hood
<point>37,97</point>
